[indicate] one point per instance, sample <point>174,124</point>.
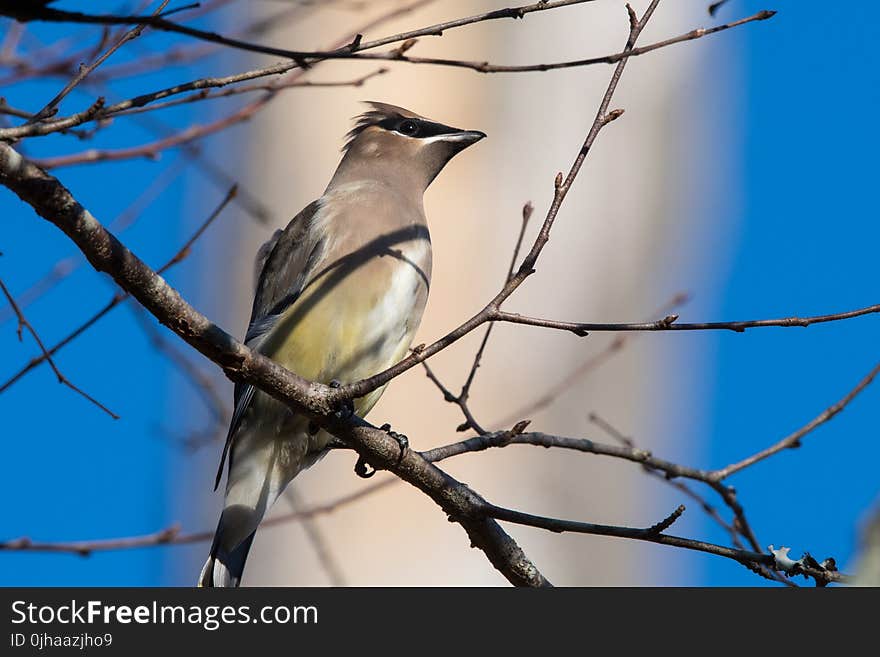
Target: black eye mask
<point>422,129</point>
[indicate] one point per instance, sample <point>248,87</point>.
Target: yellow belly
<point>349,327</point>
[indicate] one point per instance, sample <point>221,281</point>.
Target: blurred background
<point>738,185</point>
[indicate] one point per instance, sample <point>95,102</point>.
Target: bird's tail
<point>255,480</point>
<point>225,567</point>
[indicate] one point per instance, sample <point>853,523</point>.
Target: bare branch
<point>559,526</point>
<point>24,323</point>
<point>201,382</point>
<point>119,297</point>
<point>794,439</point>
<point>395,55</point>
<point>87,548</point>
<point>52,106</point>
<point>487,67</point>
<point>67,266</point>
<point>740,526</point>
<point>822,576</point>
<point>670,323</point>
<point>42,13</point>
<point>205,94</point>
<point>590,364</point>
<point>461,400</point>
<point>173,536</point>
<point>680,486</point>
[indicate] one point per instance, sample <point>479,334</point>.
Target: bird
<point>340,294</point>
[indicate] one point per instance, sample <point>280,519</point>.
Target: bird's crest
<point>379,112</point>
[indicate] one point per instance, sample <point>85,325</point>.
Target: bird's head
<point>391,139</point>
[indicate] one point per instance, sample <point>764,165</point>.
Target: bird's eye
<point>408,128</point>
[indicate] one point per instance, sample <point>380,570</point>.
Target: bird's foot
<point>346,406</point>
<point>402,440</point>
<point>362,468</point>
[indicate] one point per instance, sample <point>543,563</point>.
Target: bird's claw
<point>361,468</point>
<point>402,440</point>
<point>346,406</point>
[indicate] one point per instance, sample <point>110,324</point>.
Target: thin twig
<point>200,381</point>
<point>173,536</point>
<point>119,297</point>
<point>670,323</point>
<point>680,486</point>
<point>52,106</point>
<point>345,51</point>
<point>527,211</point>
<point>794,439</point>
<point>740,526</point>
<point>488,67</point>
<point>67,266</point>
<point>746,557</point>
<point>198,131</point>
<point>142,100</point>
<point>461,400</point>
<point>24,323</point>
<point>588,365</point>
<point>206,94</point>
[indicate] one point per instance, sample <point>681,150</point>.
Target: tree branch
<point>119,297</point>
<point>794,439</point>
<point>488,67</point>
<point>33,12</point>
<point>670,322</point>
<point>52,106</point>
<point>173,536</point>
<point>591,363</point>
<point>461,400</point>
<point>24,323</point>
<point>397,55</point>
<point>822,575</point>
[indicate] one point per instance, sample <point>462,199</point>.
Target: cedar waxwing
<point>340,295</point>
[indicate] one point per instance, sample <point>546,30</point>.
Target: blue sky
<point>804,235</point>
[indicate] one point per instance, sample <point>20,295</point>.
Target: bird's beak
<point>465,137</point>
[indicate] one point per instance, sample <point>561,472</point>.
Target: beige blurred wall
<point>616,246</point>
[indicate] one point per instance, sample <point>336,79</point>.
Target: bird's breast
<point>359,314</point>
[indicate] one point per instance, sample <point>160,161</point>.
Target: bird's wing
<point>282,264</point>
<point>263,255</point>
